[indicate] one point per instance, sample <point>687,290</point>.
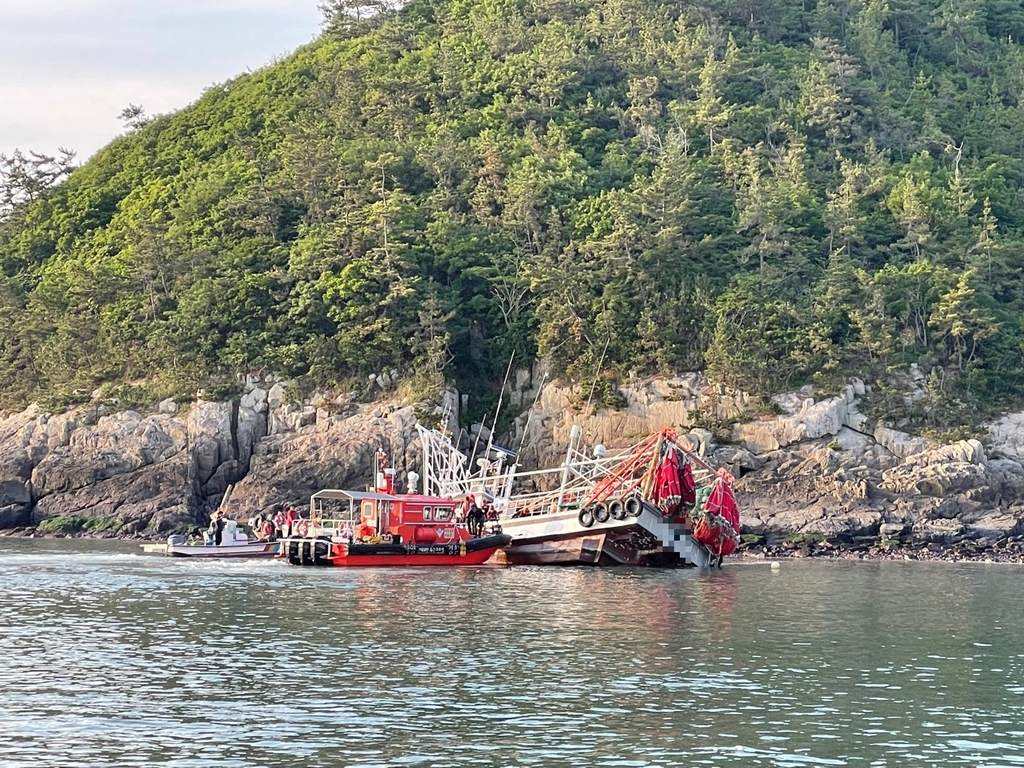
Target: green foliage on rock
<point>781,192</point>
<point>76,524</point>
<point>70,524</point>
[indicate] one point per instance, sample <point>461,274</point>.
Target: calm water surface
<point>110,658</point>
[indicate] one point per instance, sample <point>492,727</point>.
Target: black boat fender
<point>483,542</point>
<point>633,506</point>
<point>617,509</point>
<point>601,512</point>
<point>586,517</point>
<point>321,552</point>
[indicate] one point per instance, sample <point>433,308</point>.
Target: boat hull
<point>321,552</point>
<point>561,539</point>
<point>236,551</point>
<point>574,549</point>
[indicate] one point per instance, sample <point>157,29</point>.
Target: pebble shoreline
<point>966,551</point>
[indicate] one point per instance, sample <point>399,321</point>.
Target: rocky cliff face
<point>825,469</point>
<point>819,467</point>
<point>129,473</point>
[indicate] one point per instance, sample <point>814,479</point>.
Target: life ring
<point>617,510</point>
<point>601,513</point>
<point>586,517</point>
<point>302,528</point>
<point>633,506</point>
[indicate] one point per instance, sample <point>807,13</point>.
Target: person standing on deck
<point>216,529</point>
<point>289,519</point>
<point>475,519</point>
<point>462,513</point>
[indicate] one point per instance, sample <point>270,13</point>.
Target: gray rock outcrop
<point>817,466</point>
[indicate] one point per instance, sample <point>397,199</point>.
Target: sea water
<point>113,658</point>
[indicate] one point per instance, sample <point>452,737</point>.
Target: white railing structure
<point>583,473</point>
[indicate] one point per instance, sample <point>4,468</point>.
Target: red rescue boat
<point>383,528</point>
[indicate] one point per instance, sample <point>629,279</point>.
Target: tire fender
<point>617,510</point>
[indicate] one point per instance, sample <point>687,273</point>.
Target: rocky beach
<point>815,478</point>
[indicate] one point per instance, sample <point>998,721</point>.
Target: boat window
<point>426,513</point>
<point>443,513</point>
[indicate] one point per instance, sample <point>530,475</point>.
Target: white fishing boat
<point>235,543</point>
<point>625,508</point>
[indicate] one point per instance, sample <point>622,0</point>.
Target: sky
<point>68,67</point>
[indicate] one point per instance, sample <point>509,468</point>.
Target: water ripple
<point>117,659</point>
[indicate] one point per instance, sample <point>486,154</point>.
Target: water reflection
<point>115,659</point>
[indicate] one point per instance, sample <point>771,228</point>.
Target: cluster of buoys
<point>616,509</point>
<point>716,533</point>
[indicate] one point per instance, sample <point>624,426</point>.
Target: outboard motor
<point>176,540</point>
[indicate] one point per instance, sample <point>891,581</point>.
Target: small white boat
<point>234,543</point>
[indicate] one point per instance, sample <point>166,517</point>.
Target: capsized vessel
<point>657,503</point>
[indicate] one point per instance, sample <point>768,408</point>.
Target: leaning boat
<point>657,503</point>
<point>384,528</point>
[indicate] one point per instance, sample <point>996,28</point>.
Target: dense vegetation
<point>776,190</point>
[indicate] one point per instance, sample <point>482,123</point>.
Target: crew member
<point>216,529</point>
<point>475,519</point>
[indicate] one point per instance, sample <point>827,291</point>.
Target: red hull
<point>375,561</point>
<point>358,554</point>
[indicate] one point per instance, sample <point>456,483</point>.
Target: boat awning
<point>331,493</point>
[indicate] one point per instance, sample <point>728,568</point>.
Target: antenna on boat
<point>501,396</point>
<point>529,415</point>
<point>227,497</point>
<point>476,443</point>
<point>597,374</point>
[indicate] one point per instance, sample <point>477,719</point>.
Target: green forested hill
<point>777,190</point>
